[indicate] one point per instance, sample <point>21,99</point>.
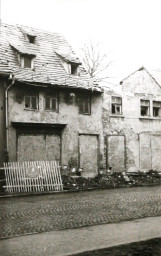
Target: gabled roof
<point>47,50</point>
<point>142,68</point>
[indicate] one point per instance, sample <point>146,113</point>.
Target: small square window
<point>116,105</point>
<point>26,61</point>
<point>85,105</point>
<point>51,101</point>
<point>144,107</point>
<point>31,39</point>
<point>157,108</point>
<point>31,102</point>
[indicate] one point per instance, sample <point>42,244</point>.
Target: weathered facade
<point>132,123</point>
<point>53,110</point>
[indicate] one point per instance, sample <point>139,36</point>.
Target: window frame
<point>116,104</point>
<point>30,97</point>
<point>143,105</point>
<point>85,99</point>
<point>159,108</point>
<point>73,69</point>
<point>22,61</point>
<point>51,97</point>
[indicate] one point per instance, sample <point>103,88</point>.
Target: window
<point>51,101</point>
<point>116,105</point>
<point>74,69</point>
<point>144,107</point>
<point>31,102</point>
<point>31,39</point>
<point>157,108</point>
<point>26,61</point>
<point>85,105</point>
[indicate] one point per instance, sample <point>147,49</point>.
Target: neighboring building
<point>132,123</point>
<point>53,110</point>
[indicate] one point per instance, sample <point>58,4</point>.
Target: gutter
<point>11,77</point>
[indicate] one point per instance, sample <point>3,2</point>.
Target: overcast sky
<point>129,30</point>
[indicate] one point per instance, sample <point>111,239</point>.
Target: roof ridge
<point>25,26</point>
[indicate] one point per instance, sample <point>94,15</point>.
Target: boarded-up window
<point>116,152</point>
<point>116,105</point>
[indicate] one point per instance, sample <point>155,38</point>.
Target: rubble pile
<point>113,180</point>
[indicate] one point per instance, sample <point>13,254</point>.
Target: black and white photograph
<point>80,127</point>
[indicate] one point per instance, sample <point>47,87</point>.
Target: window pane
<point>87,107</point>
<point>81,109</point>
<point>47,103</point>
<point>145,103</point>
<point>33,106</point>
<point>113,109</point>
<point>27,102</point>
<point>156,112</point>
<point>116,100</point>
<point>53,104</point>
<point>27,62</point>
<point>157,104</point>
<point>144,111</point>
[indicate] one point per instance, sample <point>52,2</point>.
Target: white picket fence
<point>34,176</point>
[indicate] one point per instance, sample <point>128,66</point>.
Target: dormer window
<point>74,69</point>
<point>31,39</point>
<point>26,61</point>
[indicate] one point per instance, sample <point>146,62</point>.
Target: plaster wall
<point>140,131</point>
<point>68,114</point>
<point>2,123</point>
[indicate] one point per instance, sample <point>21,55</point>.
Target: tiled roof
<point>47,50</point>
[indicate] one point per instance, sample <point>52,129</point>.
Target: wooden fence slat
<point>19,176</point>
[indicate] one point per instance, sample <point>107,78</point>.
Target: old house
<point>132,123</point>
<point>49,107</point>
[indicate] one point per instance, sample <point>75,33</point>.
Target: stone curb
<point>73,191</point>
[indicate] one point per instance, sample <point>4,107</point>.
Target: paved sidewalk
<point>67,242</point>
<point>44,213</point>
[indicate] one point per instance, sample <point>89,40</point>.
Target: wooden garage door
<point>88,148</point>
<point>38,147</point>
<point>116,152</point>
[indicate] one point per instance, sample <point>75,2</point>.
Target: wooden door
<point>38,147</point>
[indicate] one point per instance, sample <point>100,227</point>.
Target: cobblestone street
<point>41,213</point>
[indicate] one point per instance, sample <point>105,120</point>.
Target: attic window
<point>31,39</point>
<point>74,69</point>
<point>26,61</point>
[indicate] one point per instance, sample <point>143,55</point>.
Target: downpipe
<point>12,78</point>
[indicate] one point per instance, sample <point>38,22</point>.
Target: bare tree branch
<point>95,61</point>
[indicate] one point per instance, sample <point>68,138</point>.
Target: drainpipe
<point>11,77</point>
